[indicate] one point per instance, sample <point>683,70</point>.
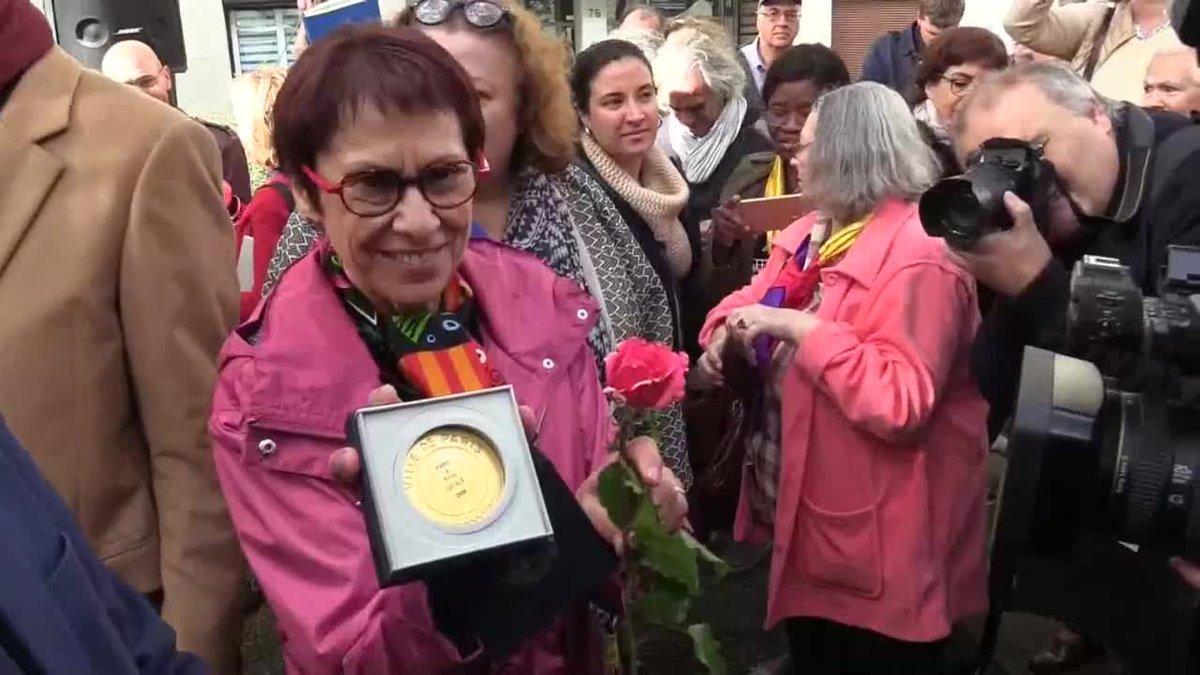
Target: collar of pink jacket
<point>531,317</point>
<point>863,261</point>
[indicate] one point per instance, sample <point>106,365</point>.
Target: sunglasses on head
<point>478,13</point>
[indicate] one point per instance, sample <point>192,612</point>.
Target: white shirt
<point>757,68</point>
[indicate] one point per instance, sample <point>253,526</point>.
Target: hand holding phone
<point>772,213</point>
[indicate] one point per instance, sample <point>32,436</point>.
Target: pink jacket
<point>880,520</point>
<point>279,412</point>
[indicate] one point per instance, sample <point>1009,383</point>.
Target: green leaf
<point>662,551</point>
<point>620,491</point>
<point>707,649</point>
<point>719,567</point>
<point>666,604</point>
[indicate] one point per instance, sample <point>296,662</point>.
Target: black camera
<point>1118,456</point>
<point>963,208</point>
<point>1104,469</point>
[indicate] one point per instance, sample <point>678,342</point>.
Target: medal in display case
<point>447,480</point>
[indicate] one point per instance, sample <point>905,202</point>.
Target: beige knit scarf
<point>659,198</point>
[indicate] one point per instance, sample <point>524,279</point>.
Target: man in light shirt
<point>778,24</point>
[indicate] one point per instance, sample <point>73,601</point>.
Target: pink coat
<point>880,520</point>
<point>279,412</point>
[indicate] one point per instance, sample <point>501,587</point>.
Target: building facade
<point>224,38</point>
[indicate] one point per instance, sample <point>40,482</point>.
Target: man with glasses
<point>134,63</point>
<point>1125,184</point>
<point>778,24</point>
<point>894,57</point>
<point>1125,189</point>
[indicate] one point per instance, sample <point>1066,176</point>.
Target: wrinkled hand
<point>709,372</point>
<point>666,492</point>
<point>1189,572</point>
<point>728,225</point>
<point>747,323</point>
<point>1007,262</point>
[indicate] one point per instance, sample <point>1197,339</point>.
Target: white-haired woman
<point>709,129</point>
<point>861,327</point>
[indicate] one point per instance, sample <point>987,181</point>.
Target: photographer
<point>1124,189</point>
<point>1122,186</point>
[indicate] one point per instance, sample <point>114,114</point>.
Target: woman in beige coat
<point>1110,44</point>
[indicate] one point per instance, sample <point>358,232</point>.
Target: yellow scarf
<point>776,187</point>
<point>837,245</point>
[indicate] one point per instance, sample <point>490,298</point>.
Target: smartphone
<point>772,213</point>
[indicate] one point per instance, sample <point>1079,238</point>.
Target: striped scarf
<point>432,353</point>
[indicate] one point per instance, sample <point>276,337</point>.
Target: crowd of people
<point>454,186</point>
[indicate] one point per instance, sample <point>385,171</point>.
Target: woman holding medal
<point>380,131</point>
<point>535,199</point>
<point>860,327</point>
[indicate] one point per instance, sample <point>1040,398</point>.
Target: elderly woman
<point>534,198</point>
<point>708,132</point>
<point>381,132</point>
<point>860,326</point>
<point>953,63</point>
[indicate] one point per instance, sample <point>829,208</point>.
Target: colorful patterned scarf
<point>423,354</point>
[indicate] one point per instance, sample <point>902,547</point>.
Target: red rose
<point>646,375</point>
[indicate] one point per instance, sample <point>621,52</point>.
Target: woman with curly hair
<point>533,198</point>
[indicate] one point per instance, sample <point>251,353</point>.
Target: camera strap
<point>1098,40</point>
<point>1135,160</point>
<point>1171,153</point>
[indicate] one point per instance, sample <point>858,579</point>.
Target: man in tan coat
<point>117,288</point>
<point>1109,43</point>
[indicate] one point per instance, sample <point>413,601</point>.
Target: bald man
<point>1173,82</point>
<point>644,17</point>
<point>135,64</point>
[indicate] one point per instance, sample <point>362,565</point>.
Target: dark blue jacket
<point>61,610</point>
<point>893,59</point>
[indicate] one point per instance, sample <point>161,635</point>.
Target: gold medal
<point>453,477</point>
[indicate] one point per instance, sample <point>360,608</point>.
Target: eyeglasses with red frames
<point>373,193</point>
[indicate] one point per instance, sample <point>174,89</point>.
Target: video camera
<point>1107,469</point>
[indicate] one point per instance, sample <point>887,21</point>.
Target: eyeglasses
<point>478,13</point>
<point>370,194</point>
<point>773,14</point>
<point>959,84</point>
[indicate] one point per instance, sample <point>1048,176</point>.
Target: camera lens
<point>1149,460</point>
<point>961,209</point>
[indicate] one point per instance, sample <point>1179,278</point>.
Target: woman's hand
<point>709,372</point>
<point>728,225</point>
<point>747,323</point>
<point>665,490</point>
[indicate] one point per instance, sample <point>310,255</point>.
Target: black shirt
<point>1135,231</point>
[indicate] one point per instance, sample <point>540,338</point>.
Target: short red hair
<point>367,66</point>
